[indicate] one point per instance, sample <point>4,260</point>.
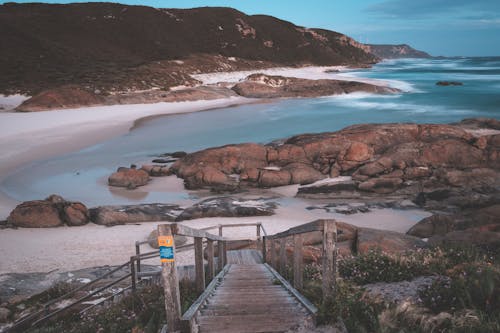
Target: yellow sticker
<point>165,241</point>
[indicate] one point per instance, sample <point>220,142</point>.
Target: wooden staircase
<point>251,298</point>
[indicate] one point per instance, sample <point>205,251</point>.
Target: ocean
<point>82,175</point>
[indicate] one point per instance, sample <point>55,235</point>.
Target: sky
<point>439,27</point>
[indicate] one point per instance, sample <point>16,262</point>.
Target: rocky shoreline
<point>256,85</point>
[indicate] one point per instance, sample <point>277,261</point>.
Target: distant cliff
<point>396,51</point>
<point>113,47</point>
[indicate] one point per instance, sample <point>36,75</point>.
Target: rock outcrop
<point>395,51</point>
<point>228,207</point>
<point>115,215</point>
<point>269,86</point>
<point>449,83</point>
<point>54,211</point>
<point>64,97</point>
<point>130,178</point>
<point>470,226</point>
<point>400,159</point>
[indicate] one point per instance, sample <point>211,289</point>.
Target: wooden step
<point>250,323</point>
<point>249,300</point>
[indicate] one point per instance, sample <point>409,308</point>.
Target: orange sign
<point>166,244</point>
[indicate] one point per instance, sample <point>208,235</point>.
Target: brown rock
<point>35,214</point>
<point>64,97</point>
<point>381,185</point>
<point>129,178</point>
<point>417,172</point>
<point>386,241</point>
<point>438,224</point>
<point>395,174</point>
<point>269,178</point>
<point>303,174</point>
<point>475,177</point>
<point>267,86</point>
<point>358,152</point>
<point>114,215</point>
<point>75,214</point>
<point>157,170</point>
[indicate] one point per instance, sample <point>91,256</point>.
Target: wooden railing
<point>279,260</point>
<point>169,276</point>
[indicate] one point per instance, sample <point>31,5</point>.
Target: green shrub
<point>473,286</point>
<point>357,313</point>
<point>376,266</point>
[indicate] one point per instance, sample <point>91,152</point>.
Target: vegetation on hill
<point>106,46</point>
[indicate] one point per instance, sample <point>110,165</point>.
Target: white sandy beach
<point>28,137</point>
<point>71,248</point>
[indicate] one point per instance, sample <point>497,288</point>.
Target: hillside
<point>396,51</point>
<point>106,47</point>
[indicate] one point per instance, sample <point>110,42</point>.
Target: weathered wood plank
<point>198,263</point>
<point>304,301</point>
<point>189,315</point>
<point>170,286</point>
<point>298,262</point>
<point>329,259</point>
<point>210,259</point>
<point>273,253</point>
<point>308,227</point>
<point>283,258</point>
<point>220,256</point>
<point>180,229</point>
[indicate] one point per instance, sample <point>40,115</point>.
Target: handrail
<point>44,307</point>
<point>187,317</point>
<point>78,301</point>
<point>180,229</point>
<point>329,252</point>
<point>301,229</point>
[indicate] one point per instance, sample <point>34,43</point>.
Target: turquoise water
<point>81,175</point>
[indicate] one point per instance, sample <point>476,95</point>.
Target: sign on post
<point>166,244</point>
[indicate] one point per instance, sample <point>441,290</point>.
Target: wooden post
<point>224,252</point>
<point>258,236</point>
<point>273,253</point>
<point>283,256</point>
<point>298,269</point>
<point>220,255</point>
<point>138,255</point>
<point>210,259</point>
<point>264,249</point>
<point>329,259</point>
<point>133,274</point>
<point>171,287</point>
<point>199,266</point>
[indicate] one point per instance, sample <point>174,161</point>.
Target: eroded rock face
<point>35,214</point>
<point>386,241</point>
<point>485,219</point>
<point>115,215</point>
<point>129,178</point>
<point>64,97</point>
<point>227,207</point>
<point>382,159</point>
<point>54,211</point>
<point>269,86</point>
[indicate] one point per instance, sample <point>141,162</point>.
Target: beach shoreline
<point>30,137</point>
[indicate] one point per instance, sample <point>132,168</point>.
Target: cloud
<point>424,9</point>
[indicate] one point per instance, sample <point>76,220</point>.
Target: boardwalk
<point>250,299</point>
